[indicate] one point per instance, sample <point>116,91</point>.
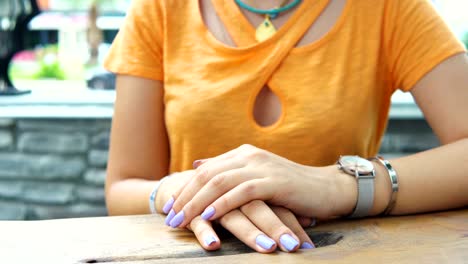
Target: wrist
<point>162,196</point>
<point>345,193</point>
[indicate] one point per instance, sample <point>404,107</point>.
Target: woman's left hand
<point>247,173</point>
<point>283,229</point>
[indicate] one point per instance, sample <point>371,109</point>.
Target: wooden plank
<point>439,237</point>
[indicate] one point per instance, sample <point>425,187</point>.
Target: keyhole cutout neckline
<point>266,107</point>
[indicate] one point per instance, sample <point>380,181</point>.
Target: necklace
<point>266,29</point>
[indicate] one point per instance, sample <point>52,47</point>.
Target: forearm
<point>436,179</point>
<point>131,197</point>
<point>432,180</point>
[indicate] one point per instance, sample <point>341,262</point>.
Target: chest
<point>214,86</point>
<point>268,108</point>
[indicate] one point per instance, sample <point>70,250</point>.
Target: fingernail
<point>168,205</point>
<point>288,242</point>
<point>208,213</point>
<point>177,220</point>
<point>169,217</point>
<point>314,222</point>
<point>307,245</point>
<point>264,242</point>
<point>197,163</point>
<point>209,240</point>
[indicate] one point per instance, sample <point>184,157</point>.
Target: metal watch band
<point>364,172</point>
<point>365,198</point>
<point>393,179</point>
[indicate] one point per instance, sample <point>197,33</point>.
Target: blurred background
<point>68,41</point>
<point>54,139</point>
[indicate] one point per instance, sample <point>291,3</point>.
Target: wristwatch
<point>364,172</point>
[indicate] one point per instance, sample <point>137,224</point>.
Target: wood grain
<point>430,238</point>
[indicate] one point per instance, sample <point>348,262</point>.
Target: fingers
<point>290,220</point>
<point>198,163</point>
<point>248,225</point>
<point>306,221</point>
<point>206,171</point>
<point>223,156</point>
<point>213,164</point>
<point>205,234</point>
<point>164,198</point>
<point>243,193</point>
<point>201,177</point>
<point>241,227</point>
<point>262,216</point>
<point>215,188</point>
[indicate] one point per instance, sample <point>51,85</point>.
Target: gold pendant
<point>265,30</point>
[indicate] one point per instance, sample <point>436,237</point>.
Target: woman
<point>295,87</point>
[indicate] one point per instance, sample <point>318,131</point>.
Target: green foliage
<point>50,71</point>
<point>49,66</point>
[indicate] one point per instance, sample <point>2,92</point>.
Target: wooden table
<point>430,238</point>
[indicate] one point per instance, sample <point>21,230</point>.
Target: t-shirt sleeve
<point>416,39</point>
<point>137,49</point>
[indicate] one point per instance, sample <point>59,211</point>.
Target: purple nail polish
<point>169,217</point>
<point>264,242</point>
<point>209,240</point>
<point>197,163</point>
<point>307,245</point>
<point>288,242</point>
<point>208,213</point>
<point>168,205</point>
<point>177,220</point>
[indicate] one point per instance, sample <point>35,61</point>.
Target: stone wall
<point>52,168</point>
<point>56,168</point>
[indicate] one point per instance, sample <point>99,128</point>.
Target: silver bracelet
<point>393,179</point>
<point>152,197</point>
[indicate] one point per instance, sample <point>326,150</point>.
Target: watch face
<point>356,163</point>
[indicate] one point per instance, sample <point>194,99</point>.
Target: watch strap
<point>365,198</point>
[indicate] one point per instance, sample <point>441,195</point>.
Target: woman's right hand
<point>173,182</point>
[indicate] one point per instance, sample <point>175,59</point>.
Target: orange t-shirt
<point>335,92</point>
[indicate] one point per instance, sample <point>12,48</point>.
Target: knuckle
<point>218,180</point>
<point>202,175</point>
<point>222,202</point>
<point>250,190</point>
<point>255,153</point>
